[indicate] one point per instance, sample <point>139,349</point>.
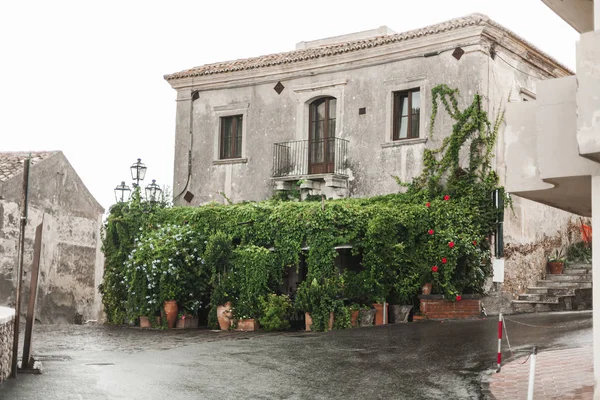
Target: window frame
<point>229,110</point>
<point>235,120</point>
<point>396,95</point>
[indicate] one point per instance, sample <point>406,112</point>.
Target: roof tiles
<point>340,48</point>
<point>11,163</point>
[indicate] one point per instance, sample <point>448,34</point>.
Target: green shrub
<point>275,312</point>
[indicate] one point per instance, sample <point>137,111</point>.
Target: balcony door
<point>321,142</point>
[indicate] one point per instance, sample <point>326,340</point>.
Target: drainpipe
<point>193,96</point>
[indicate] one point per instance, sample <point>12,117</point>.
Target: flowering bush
<point>165,264</point>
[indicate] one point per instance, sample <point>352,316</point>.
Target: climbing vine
<point>436,231</point>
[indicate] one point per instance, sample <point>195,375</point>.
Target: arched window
<point>322,135</point>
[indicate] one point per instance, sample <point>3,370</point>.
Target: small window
<point>407,113</point>
<point>231,137</point>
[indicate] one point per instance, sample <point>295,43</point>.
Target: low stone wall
<point>7,316</point>
<point>435,307</point>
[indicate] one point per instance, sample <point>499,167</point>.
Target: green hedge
<point>443,220</point>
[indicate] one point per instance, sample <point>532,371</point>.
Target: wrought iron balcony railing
<point>310,157</point>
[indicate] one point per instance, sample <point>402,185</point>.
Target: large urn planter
<point>399,313</point>
<point>556,268</point>
<point>224,316</point>
<point>381,313</point>
<point>354,319</point>
<point>171,309</point>
<point>307,322</point>
<point>366,317</point>
<point>247,325</point>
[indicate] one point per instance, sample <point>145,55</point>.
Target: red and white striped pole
<point>499,342</point>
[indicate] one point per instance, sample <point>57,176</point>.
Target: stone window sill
<point>230,161</point>
<point>404,142</point>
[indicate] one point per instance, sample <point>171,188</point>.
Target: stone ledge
<point>230,161</point>
<point>404,142</point>
<point>6,315</point>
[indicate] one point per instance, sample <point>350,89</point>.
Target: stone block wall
<point>7,316</point>
<point>435,307</point>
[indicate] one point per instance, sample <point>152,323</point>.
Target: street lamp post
<point>152,191</point>
<point>122,192</point>
<point>138,173</point>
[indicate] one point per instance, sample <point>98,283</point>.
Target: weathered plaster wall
<point>70,261</point>
<point>271,118</point>
<point>531,230</point>
<point>7,316</point>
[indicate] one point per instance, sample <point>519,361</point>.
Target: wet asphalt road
<point>425,360</point>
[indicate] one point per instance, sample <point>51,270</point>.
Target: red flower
<point>428,204</point>
<point>434,268</point>
<point>444,261</point>
<point>451,244</point>
<point>474,242</point>
<point>430,231</point>
<point>446,198</point>
<point>458,297</point>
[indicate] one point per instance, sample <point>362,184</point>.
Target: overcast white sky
<point>87,77</point>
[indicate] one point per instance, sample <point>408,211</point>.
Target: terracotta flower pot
<point>171,310</point>
<point>224,316</point>
<point>247,325</point>
<point>144,322</point>
<point>426,289</point>
<point>379,320</point>
<point>331,318</point>
<point>307,321</point>
<point>187,322</point>
<point>354,319</point>
<point>556,267</point>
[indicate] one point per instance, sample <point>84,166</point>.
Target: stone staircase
<point>567,291</point>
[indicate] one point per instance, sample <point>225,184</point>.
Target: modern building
<point>554,142</point>
<point>71,262</point>
<point>342,116</point>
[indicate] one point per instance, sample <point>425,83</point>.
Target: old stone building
<point>71,261</point>
<point>341,116</point>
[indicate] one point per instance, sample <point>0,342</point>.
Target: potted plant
<point>275,311</point>
<point>318,302</point>
<point>556,261</point>
<point>221,301</point>
<point>188,316</point>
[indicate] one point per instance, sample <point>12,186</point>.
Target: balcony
<point>303,158</point>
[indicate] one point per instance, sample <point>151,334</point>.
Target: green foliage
<point>275,311</point>
<point>165,264</point>
<point>451,198</point>
<point>558,255</point>
<point>579,252</point>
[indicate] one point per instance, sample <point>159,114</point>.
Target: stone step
<point>541,297</point>
<point>561,303</point>
<point>551,291</point>
<point>568,277</point>
<point>577,271</point>
<point>577,265</point>
<point>565,284</point>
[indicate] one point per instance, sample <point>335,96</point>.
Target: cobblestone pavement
<point>559,374</point>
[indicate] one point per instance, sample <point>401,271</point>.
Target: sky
<point>87,77</point>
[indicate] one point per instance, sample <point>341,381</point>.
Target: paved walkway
<point>559,374</point>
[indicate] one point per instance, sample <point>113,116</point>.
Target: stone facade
<point>273,95</point>
<point>7,327</point>
<point>71,262</point>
